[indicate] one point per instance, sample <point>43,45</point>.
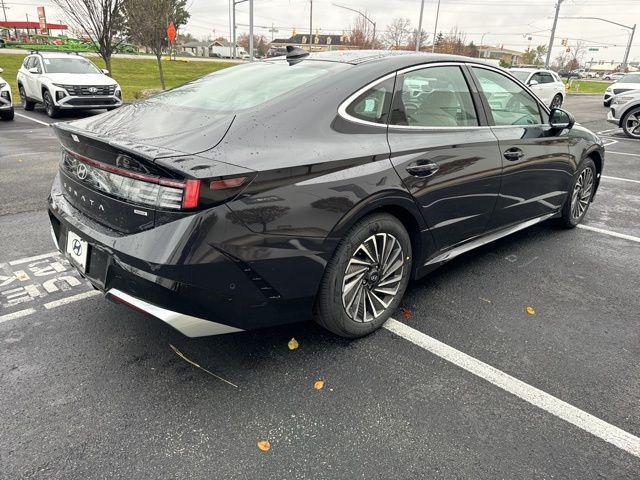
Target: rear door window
<point>434,97</point>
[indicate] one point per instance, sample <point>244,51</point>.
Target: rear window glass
<point>246,86</point>
<point>520,75</point>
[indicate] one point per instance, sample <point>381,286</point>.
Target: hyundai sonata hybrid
<point>311,186</point>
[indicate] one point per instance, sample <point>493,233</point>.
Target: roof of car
<point>397,57</point>
<point>531,69</point>
<point>56,54</point>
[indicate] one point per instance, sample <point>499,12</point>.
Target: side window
<point>537,77</point>
<point>37,64</point>
<point>25,64</point>
<point>509,103</point>
<point>373,105</point>
<point>545,77</point>
<point>434,97</point>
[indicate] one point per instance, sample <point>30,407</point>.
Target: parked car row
<point>6,102</point>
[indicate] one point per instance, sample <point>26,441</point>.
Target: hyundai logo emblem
<point>77,247</point>
<point>92,89</point>
<point>82,171</point>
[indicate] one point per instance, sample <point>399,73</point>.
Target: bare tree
<point>362,33</point>
<point>397,33</point>
<point>413,38</point>
<point>147,22</point>
<point>577,53</point>
<point>100,20</point>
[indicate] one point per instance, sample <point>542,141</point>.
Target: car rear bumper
<point>199,274</point>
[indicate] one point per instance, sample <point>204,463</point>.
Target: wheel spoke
<point>379,300</point>
<point>355,273</point>
<point>364,248</point>
<point>373,307</point>
<point>389,281</point>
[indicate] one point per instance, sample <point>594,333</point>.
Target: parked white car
<point>63,81</point>
<point>612,76</point>
<point>625,112</point>
<point>546,84</point>
<point>628,82</point>
<point>6,105</point>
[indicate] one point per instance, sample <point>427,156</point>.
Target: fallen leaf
<point>293,344</point>
<point>264,445</point>
<point>318,385</point>
<point>406,313</point>
<point>530,310</point>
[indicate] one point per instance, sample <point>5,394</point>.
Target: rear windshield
<point>246,86</point>
<point>520,74</point>
<point>69,65</point>
<point>630,78</point>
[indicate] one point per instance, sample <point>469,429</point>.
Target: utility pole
<point>626,54</point>
<point>233,20</point>
<point>251,30</point>
<point>419,31</point>
<point>553,34</point>
<point>435,29</point>
<point>3,10</point>
<point>273,30</point>
<point>310,24</point>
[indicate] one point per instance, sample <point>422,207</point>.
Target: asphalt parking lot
<point>463,384</point>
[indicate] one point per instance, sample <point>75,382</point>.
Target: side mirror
<point>34,70</point>
<point>105,71</point>
<point>533,83</point>
<point>561,119</point>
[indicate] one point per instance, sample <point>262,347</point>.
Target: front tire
<point>579,198</point>
<point>631,123</point>
<point>49,106</point>
<point>365,280</point>
<point>8,115</point>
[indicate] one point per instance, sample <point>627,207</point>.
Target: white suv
<point>626,83</point>
<point>546,84</point>
<point>63,81</point>
<point>6,106</point>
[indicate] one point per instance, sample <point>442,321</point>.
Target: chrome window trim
<point>342,108</point>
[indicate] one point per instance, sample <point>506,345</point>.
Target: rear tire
<point>49,106</point>
<point>579,198</point>
<point>631,123</point>
<point>8,115</point>
<point>27,104</point>
<point>365,280</point>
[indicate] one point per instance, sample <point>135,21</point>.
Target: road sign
<point>592,49</point>
<point>171,33</point>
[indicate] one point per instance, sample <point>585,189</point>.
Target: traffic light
<point>565,42</point>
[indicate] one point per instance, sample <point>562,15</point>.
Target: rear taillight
<point>151,190</point>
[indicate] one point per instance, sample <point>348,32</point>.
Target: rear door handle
<point>513,154</point>
<point>423,168</point>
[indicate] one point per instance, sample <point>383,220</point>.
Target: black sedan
<point>311,186</point>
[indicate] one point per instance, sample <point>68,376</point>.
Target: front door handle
<point>513,154</point>
<point>423,168</point>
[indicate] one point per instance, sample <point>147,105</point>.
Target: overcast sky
<point>501,22</point>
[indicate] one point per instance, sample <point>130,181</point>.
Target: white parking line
<point>609,232</point>
<point>32,259</point>
<point>18,314</point>
<point>71,299</point>
<point>624,153</point>
<point>620,179</point>
<point>563,410</point>
<point>33,119</point>
<point>609,143</point>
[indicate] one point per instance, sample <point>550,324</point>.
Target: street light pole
<point>3,10</point>
<point>251,30</point>
<point>365,17</point>
<point>553,34</point>
<point>435,29</point>
<point>419,32</point>
<point>310,24</point>
<point>233,18</point>
<point>632,29</point>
